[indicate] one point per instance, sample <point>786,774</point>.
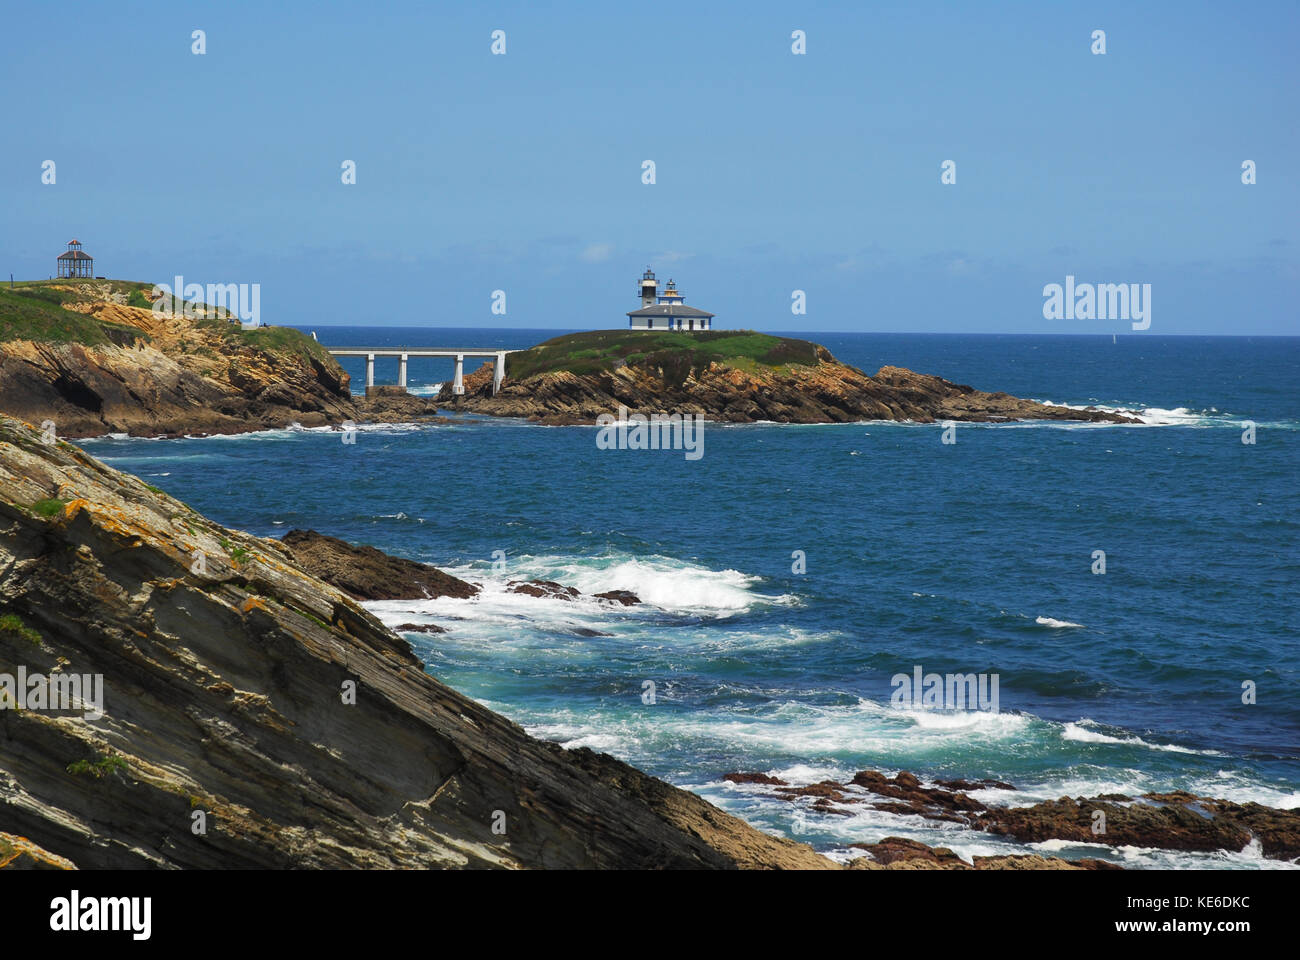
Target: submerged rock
<point>542,588</point>
<point>558,591</point>
<point>754,778</point>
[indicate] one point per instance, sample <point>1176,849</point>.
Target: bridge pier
<point>401,372</point>
<point>498,372</point>
<point>458,385</point>
<point>370,369</point>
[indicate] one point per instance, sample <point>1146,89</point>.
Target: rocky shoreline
<point>1159,821</point>
<point>244,695</point>
<point>1165,821</point>
<point>243,681</point>
<point>133,371</point>
<point>162,375</point>
<point>826,391</point>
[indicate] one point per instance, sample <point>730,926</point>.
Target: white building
<point>666,311</point>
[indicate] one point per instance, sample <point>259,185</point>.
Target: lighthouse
<point>667,310</point>
<point>649,288</point>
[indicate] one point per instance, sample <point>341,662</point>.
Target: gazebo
<point>74,263</point>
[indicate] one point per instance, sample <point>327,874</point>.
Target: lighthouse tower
<point>649,288</point>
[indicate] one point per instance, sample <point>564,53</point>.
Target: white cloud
<point>669,256</point>
<point>597,252</point>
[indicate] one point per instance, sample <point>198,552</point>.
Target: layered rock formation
<point>807,385</point>
<point>255,716</point>
<point>129,370</point>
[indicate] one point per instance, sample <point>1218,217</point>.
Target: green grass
<point>269,338</point>
<point>237,554</point>
<point>37,311</point>
<point>313,618</point>
<point>36,315</point>
<point>97,768</point>
<point>676,353</point>
<point>12,623</point>
<point>48,508</point>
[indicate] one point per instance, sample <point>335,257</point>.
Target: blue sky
<point>774,172</point>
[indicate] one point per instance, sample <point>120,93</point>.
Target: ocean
<point>792,572</point>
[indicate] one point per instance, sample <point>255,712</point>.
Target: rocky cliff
<point>92,357</point>
<point>254,716</point>
<point>734,376</point>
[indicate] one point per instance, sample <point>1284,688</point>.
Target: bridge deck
<point>405,353</point>
<point>417,351</point>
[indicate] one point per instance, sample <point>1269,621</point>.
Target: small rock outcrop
<point>543,588</point>
<point>365,573</point>
<point>558,591</point>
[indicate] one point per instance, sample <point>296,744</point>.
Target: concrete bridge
<point>404,353</point>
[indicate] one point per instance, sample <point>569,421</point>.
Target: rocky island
<point>737,376</point>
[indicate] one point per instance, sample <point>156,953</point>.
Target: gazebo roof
<point>75,255</point>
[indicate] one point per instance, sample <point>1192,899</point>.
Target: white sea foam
<point>1157,416</point>
<point>665,583</point>
<point>1055,624</point>
<point>1082,732</point>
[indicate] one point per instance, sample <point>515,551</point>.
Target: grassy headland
<point>70,311</point>
<point>94,357</point>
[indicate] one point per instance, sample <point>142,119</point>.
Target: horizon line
<point>920,333</point>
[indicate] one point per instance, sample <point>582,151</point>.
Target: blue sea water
<point>971,557</point>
